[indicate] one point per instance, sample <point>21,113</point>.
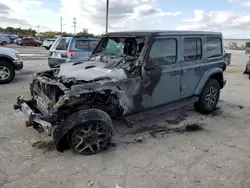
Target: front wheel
<point>4,43</point>
<point>92,130</point>
<point>7,72</point>
<point>209,97</point>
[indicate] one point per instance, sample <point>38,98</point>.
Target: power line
<point>38,28</point>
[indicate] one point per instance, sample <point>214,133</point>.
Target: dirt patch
<point>242,179</point>
<point>177,120</point>
<point>46,146</point>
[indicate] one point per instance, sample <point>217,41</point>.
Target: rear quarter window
<point>93,44</point>
<point>213,47</point>
<point>82,45</point>
<point>85,45</point>
<point>62,44</point>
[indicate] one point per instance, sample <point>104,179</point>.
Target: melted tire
<point>81,131</point>
<point>202,105</point>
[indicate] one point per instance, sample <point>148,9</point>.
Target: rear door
<point>192,64</point>
<point>58,51</point>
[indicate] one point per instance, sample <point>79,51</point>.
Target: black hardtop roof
<point>162,32</point>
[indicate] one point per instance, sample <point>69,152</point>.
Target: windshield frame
<point>97,50</point>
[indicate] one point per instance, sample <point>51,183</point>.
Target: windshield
<point>118,51</point>
<point>120,46</point>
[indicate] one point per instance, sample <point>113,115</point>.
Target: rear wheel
<point>7,72</point>
<point>4,43</point>
<point>209,97</point>
<point>91,132</point>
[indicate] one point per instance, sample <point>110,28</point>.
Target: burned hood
<point>90,70</point>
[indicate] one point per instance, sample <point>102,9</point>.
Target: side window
<point>163,52</point>
<point>213,47</point>
<point>93,44</point>
<point>82,44</point>
<point>192,49</point>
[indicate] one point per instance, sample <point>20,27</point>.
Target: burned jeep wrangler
<point>128,74</point>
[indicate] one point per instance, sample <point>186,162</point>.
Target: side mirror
<point>149,67</point>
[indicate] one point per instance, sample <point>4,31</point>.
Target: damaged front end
<point>107,82</point>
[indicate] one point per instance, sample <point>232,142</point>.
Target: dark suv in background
<point>67,49</point>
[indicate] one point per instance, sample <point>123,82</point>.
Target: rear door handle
<point>197,69</point>
<point>175,73</point>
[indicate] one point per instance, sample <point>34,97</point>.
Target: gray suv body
<point>129,74</point>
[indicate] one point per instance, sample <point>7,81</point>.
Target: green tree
<point>85,34</point>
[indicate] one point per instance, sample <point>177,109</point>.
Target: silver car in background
<point>4,39</point>
<point>47,43</point>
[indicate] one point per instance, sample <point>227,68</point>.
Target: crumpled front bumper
<point>39,122</point>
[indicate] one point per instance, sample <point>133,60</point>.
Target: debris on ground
<point>155,130</point>
<point>90,183</point>
<point>241,106</point>
<point>44,145</point>
<point>216,112</point>
<point>177,120</point>
<point>193,127</point>
<point>117,186</point>
<point>136,140</point>
<point>139,139</point>
<point>236,106</point>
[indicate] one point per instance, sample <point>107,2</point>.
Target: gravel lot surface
<point>157,153</point>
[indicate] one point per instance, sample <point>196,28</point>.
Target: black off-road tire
<point>211,92</point>
<point>92,128</point>
<point>11,69</point>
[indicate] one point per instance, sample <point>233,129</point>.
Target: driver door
<point>162,72</point>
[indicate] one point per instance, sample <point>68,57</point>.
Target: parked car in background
<point>47,43</point>
<point>29,42</point>
<point>9,62</point>
<point>4,39</point>
<point>247,48</point>
<point>67,49</point>
<point>16,41</point>
<point>128,73</point>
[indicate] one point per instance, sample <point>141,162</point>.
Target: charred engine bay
<point>89,84</point>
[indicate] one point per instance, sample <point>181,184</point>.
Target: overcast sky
<point>232,17</point>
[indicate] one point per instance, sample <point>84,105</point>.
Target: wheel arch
<point>214,73</point>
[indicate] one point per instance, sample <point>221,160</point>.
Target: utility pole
<point>38,29</point>
<point>74,22</point>
<point>61,23</point>
<point>107,16</point>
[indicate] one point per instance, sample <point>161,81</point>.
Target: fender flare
<point>206,77</point>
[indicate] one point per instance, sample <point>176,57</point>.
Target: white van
<point>4,39</point>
